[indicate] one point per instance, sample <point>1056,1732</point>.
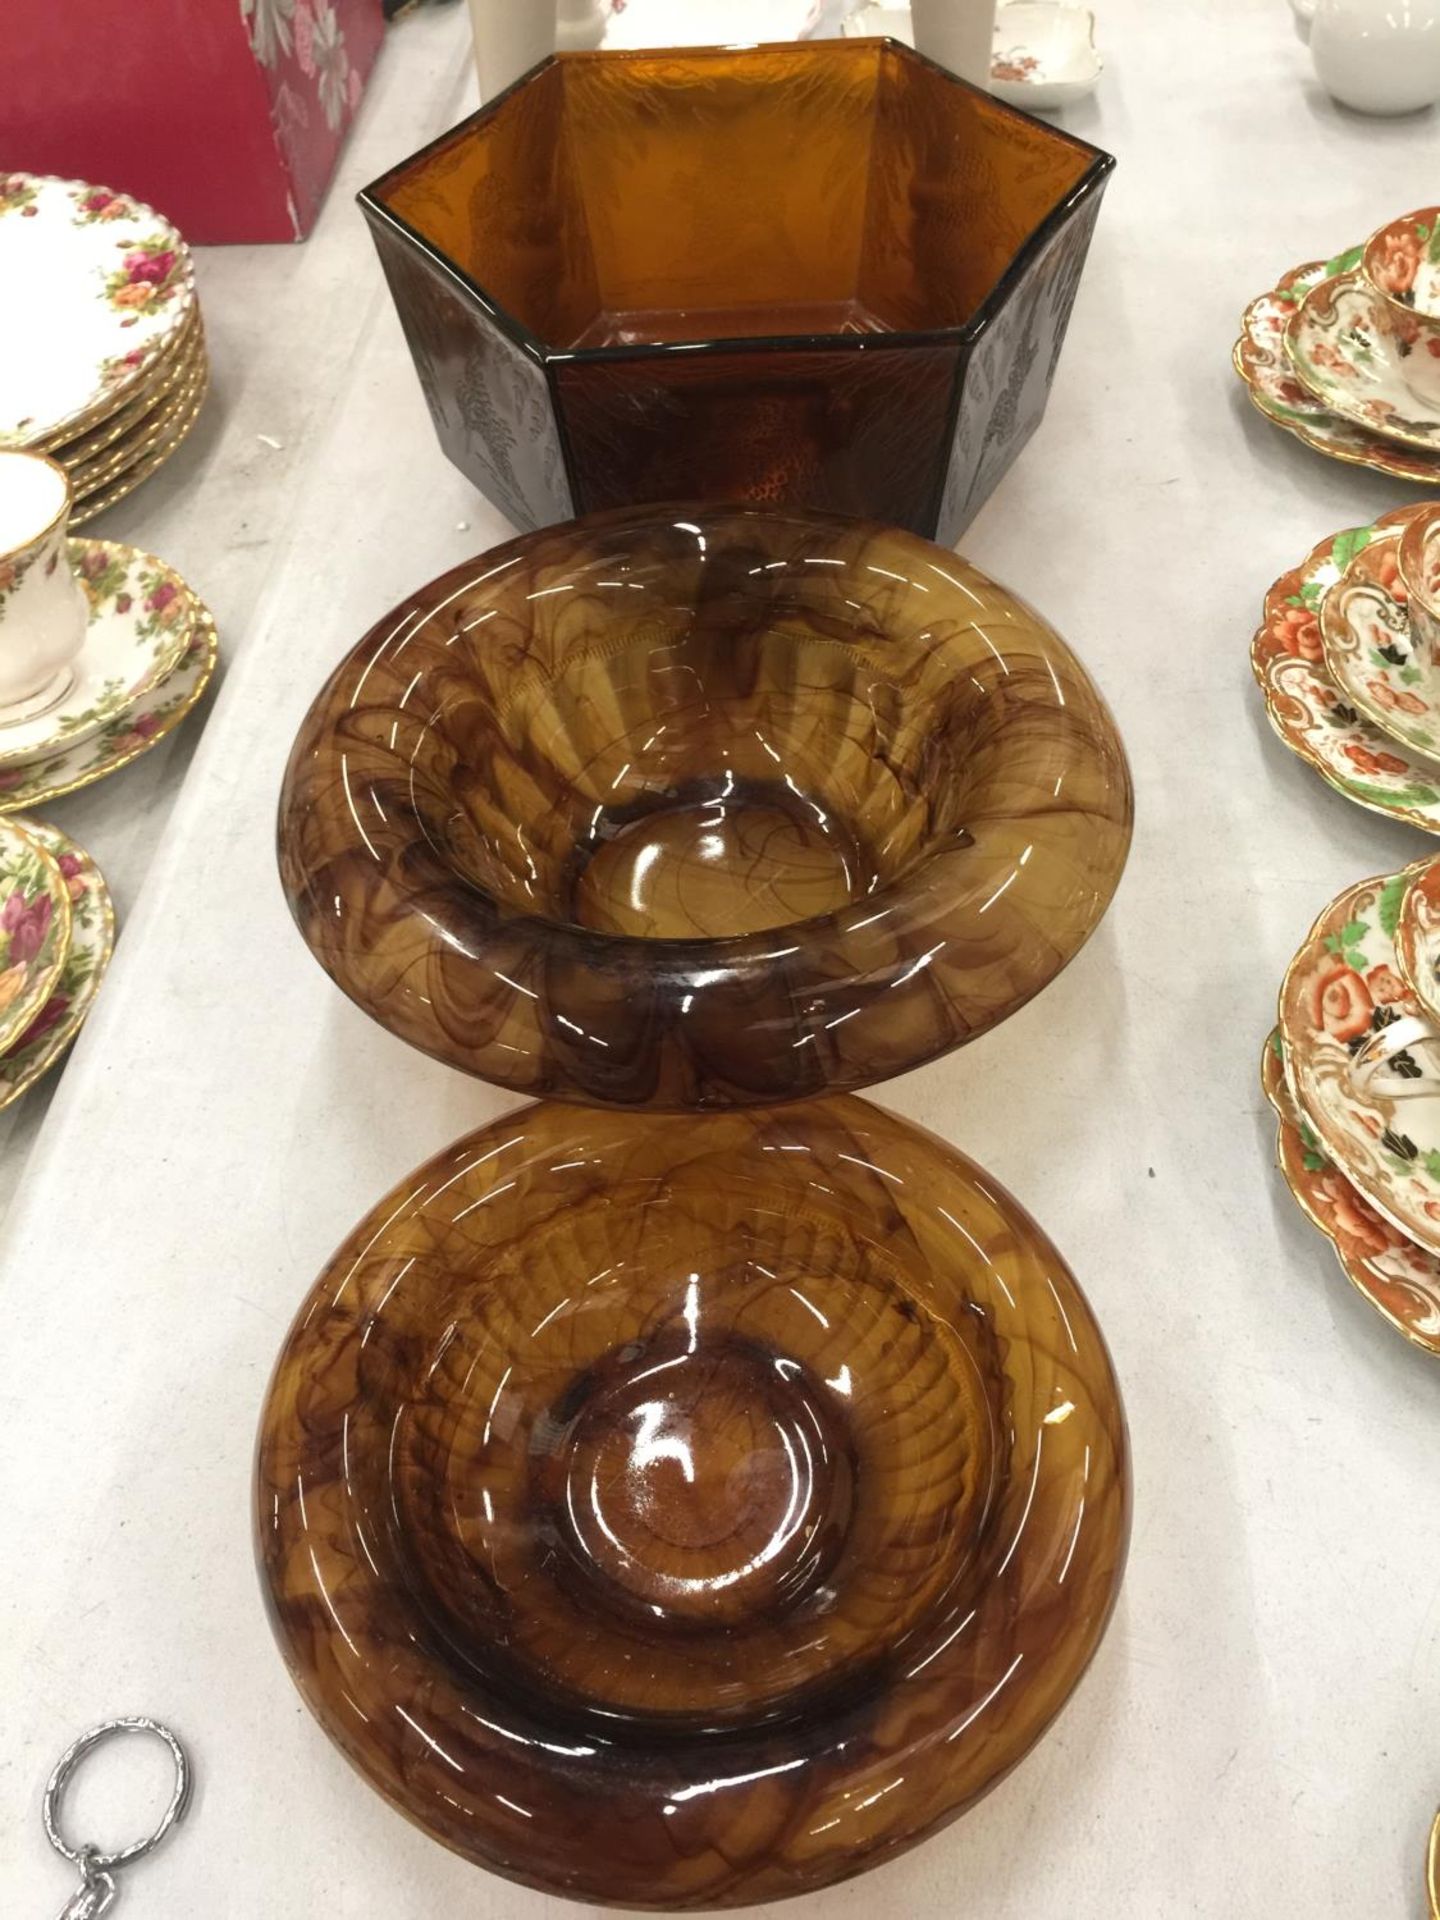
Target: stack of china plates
<point>1347,657</point>
<point>102,351</point>
<point>57,928</point>
<point>1353,1072</point>
<point>1344,353</point>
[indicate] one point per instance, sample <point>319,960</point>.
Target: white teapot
<point>1378,56</point>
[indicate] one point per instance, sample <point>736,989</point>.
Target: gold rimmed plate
<point>48,1035</point>
<point>88,505</point>
<point>34,928</point>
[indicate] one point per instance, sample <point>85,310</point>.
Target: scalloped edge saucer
<point>1305,1167</point>
<point>92,942</point>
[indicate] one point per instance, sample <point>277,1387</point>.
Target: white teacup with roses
<point>43,612</point>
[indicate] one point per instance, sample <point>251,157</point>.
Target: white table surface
<point>1258,1736</point>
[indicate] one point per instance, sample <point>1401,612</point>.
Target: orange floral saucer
<point>1399,1279</point>
<point>1260,358</point>
<point>1340,992</point>
<point>1312,715</point>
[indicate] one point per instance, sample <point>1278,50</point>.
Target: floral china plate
<point>1399,1279</point>
<point>1371,653</point>
<point>34,928</point>
<point>1356,358</point>
<point>141,616</point>
<point>1343,987</point>
<point>132,731</point>
<point>1261,361</point>
<point>92,939</point>
<point>1417,937</point>
<point>1308,710</point>
<point>108,284</point>
<point>1044,54</point>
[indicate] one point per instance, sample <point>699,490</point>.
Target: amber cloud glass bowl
<point>829,275</point>
<point>702,808</point>
<point>691,1516</point>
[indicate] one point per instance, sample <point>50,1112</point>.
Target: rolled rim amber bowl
<point>691,1516</point>
<point>702,807</point>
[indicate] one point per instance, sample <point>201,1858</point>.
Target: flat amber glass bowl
<point>828,275</point>
<point>702,808</point>
<point>684,1516</point>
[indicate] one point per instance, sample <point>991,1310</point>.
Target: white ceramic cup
<point>956,34</point>
<point>43,610</point>
<point>510,37</point>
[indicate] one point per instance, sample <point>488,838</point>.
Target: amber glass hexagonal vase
<point>828,275</point>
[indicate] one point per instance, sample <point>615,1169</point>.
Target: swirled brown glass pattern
<point>702,808</point>
<point>684,1516</point>
<point>829,275</point>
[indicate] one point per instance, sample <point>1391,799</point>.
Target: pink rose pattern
<point>145,280</point>
<point>17,195</point>
<point>27,922</point>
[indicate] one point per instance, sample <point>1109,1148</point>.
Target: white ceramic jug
<point>1378,56</point>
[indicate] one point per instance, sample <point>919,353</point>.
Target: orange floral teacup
<point>1418,562</point>
<point>1400,1061</point>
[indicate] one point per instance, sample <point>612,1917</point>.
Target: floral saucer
<point>1399,1279</point>
<point>134,730</point>
<point>1310,713</point>
<point>141,616</point>
<point>1371,652</point>
<point>1352,354</point>
<point>108,284</point>
<point>1342,987</point>
<point>1044,54</point>
<point>1260,359</point>
<point>1417,937</point>
<point>91,942</point>
<point>34,928</point>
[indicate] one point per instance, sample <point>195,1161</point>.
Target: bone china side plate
<point>691,1515</point>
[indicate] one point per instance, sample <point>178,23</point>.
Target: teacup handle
<point>1304,12</point>
<point>1401,1036</point>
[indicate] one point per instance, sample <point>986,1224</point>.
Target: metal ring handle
<point>65,1767</point>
